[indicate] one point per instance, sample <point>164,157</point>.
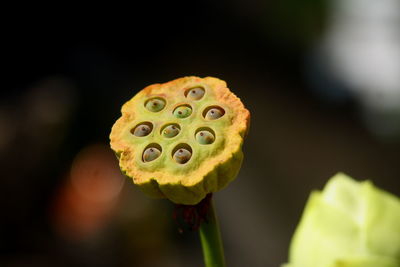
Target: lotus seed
<point>182,112</point>
<point>205,137</point>
<point>151,154</point>
<point>195,93</point>
<point>155,104</point>
<point>171,131</point>
<point>142,130</point>
<point>182,155</point>
<point>214,113</point>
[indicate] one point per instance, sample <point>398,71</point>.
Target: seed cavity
<point>213,113</point>
<point>205,136</point>
<point>155,104</point>
<point>170,130</point>
<point>142,129</point>
<point>183,111</point>
<point>151,152</point>
<point>182,153</point>
<point>195,93</point>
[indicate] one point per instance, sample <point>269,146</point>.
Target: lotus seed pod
<point>182,112</point>
<point>348,224</point>
<point>201,155</point>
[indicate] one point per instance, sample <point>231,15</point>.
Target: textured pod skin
<point>348,224</point>
<point>211,166</point>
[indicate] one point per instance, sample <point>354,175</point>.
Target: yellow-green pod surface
<point>348,224</point>
<point>183,139</point>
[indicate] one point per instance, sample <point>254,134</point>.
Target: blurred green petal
<point>349,224</point>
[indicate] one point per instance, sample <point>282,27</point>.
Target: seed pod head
<point>183,139</point>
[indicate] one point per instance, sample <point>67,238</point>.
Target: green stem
<point>211,241</point>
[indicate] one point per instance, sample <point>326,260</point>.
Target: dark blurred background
<point>319,77</point>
